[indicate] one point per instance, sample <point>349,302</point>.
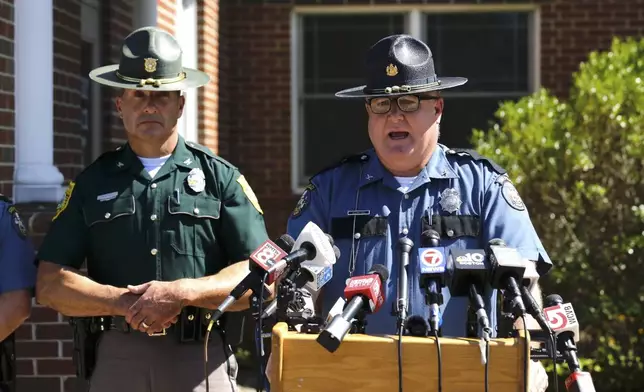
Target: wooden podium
<point>370,363</point>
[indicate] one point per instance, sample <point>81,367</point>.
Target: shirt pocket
<point>109,222</point>
<point>460,231</point>
<point>370,235</point>
<point>191,223</point>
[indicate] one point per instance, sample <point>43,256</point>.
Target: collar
<point>438,167</point>
<point>126,159</point>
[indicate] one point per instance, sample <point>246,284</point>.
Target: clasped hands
<point>154,306</point>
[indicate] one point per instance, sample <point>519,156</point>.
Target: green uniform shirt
<point>196,216</point>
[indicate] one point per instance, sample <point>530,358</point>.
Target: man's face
<point>150,114</point>
<point>404,140</point>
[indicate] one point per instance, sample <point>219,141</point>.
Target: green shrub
<point>579,166</point>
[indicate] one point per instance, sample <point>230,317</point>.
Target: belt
<point>191,325</point>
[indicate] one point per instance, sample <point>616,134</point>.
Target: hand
<point>538,377</point>
<point>157,308</point>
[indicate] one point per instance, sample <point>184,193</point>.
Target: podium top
<point>370,363</point>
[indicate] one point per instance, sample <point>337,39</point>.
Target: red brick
<point>53,331</point>
<point>40,314</point>
<point>24,367</point>
<point>35,349</point>
<point>57,367</point>
<point>33,384</point>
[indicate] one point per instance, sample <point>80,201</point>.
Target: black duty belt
<point>191,325</point>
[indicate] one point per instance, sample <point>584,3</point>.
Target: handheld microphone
<point>364,294</point>
<point>507,268</point>
<point>563,323</point>
<point>467,274</point>
<point>263,261</point>
<point>579,381</point>
<point>530,277</point>
<point>432,275</point>
<point>404,245</point>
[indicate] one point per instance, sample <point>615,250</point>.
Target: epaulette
<point>201,148</point>
<point>475,156</point>
<point>353,158</point>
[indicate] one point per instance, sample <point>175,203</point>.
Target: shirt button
<point>154,185</point>
<point>107,215</point>
<point>153,217</point>
<point>406,196</point>
<point>356,236</point>
<point>450,233</point>
<point>154,251</point>
<point>196,210</point>
<point>405,231</point>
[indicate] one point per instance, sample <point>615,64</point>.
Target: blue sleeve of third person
<point>17,267</point>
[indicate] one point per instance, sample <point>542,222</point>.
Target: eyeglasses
<point>406,103</point>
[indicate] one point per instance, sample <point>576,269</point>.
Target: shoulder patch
<point>354,158</point>
<point>17,222</point>
<point>63,203</point>
<point>304,201</point>
<point>475,156</point>
<point>511,195</point>
<point>248,191</point>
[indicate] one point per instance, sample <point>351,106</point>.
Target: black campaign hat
<point>399,65</point>
<point>150,60</point>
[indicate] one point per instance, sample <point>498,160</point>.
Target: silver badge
<point>196,180</point>
<point>450,200</point>
<point>511,195</point>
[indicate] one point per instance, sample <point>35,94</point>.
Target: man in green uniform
<point>166,228</point>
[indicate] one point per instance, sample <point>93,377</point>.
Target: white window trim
<point>415,26</point>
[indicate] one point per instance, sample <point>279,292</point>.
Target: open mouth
<point>398,135</point>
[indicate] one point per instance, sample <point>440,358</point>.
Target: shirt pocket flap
<point>199,206</point>
<point>106,211</point>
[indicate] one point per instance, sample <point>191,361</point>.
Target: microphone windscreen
<point>381,270</point>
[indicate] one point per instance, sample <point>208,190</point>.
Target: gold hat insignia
<point>150,64</point>
<point>391,70</point>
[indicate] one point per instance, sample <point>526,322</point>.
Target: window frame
<point>414,17</point>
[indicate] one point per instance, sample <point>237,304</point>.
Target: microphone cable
<point>554,359</point>
<point>259,339</point>
<point>400,375</point>
<point>526,355</point>
<point>486,336</point>
<point>440,362</point>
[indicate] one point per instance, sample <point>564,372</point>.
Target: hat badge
<point>150,64</point>
<point>391,70</point>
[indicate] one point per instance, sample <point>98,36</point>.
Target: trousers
<point>136,362</point>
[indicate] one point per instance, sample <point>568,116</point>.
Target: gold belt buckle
<point>160,333</point>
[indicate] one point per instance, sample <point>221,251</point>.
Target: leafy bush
<point>579,165</point>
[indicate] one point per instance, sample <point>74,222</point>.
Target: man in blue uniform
<point>17,279</point>
<point>407,184</point>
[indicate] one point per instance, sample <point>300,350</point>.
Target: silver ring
<point>144,325</point>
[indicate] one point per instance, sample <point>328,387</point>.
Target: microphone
<point>416,325</point>
<point>364,295</point>
<point>310,277</point>
<point>563,323</point>
<point>405,245</point>
<point>467,274</point>
<point>507,268</point>
<point>530,278</point>
<point>263,261</point>
<point>432,275</point>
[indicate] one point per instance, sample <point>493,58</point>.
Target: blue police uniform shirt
<point>17,268</point>
<point>468,199</point>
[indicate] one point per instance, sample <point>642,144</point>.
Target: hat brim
<point>106,75</point>
<point>445,83</point>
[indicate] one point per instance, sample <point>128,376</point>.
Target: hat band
<point>152,81</point>
<point>402,89</point>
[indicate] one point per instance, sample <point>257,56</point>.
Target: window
<point>491,47</point>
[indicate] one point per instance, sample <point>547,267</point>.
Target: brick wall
<point>208,60</point>
<point>570,29</point>
<point>7,121</point>
<point>166,13</point>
